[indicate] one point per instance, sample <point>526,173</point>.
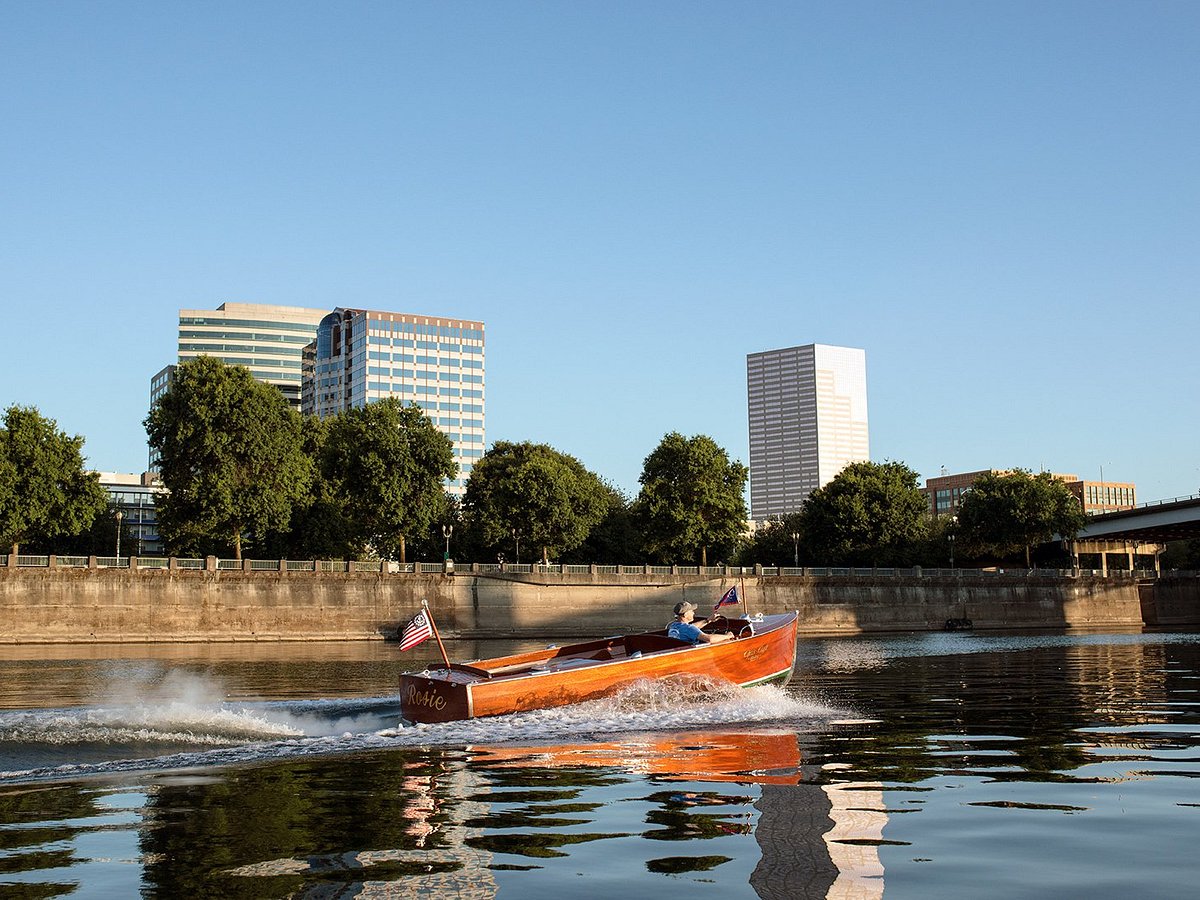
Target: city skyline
<point>998,204</point>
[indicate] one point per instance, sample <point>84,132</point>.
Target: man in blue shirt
<point>684,627</point>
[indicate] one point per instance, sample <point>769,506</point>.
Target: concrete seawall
<point>41,605</point>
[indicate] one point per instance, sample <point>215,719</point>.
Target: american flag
<point>417,630</point>
<point>729,599</point>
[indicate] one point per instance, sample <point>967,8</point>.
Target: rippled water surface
<point>939,765</point>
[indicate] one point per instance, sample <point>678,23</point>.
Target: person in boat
<point>687,628</point>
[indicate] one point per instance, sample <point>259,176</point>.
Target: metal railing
<point>376,567</point>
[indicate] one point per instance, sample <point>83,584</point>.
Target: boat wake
<point>66,744</point>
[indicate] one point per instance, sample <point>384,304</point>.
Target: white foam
<point>646,706</point>
<point>272,732</point>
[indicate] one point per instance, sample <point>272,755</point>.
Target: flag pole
<point>436,633</point>
<point>742,579</point>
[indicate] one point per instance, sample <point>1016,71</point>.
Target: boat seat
<point>652,643</point>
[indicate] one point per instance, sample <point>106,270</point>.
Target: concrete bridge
<point>1142,530</point>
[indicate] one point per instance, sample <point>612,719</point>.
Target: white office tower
<point>808,421</point>
<point>362,355</point>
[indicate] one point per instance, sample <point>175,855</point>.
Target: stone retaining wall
<point>99,605</point>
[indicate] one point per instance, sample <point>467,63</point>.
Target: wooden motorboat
<point>763,650</point>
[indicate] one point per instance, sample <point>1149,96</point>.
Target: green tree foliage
<point>44,490</point>
<point>614,539</point>
<point>1182,555</point>
<point>548,498</point>
<point>320,526</point>
<point>869,514</point>
<point>1003,514</point>
<point>232,457</point>
<point>691,500</point>
<point>772,543</point>
<point>385,464</point>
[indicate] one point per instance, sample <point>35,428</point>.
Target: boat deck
<point>554,659</point>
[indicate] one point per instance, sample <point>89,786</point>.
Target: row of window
<point>291,364</point>
<point>387,389</point>
<point>377,340</point>
<point>1109,496</point>
<point>248,323</point>
<point>131,498</point>
<point>238,348</point>
<point>466,334</point>
<point>422,374</point>
<point>242,336</point>
<point>461,407</point>
<point>445,361</point>
<point>382,390</point>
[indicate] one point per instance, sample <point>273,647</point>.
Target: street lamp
<point>950,538</point>
<point>447,530</point>
<point>517,541</point>
<point>120,516</point>
<point>796,549</point>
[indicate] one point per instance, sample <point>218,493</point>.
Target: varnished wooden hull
<point>557,677</point>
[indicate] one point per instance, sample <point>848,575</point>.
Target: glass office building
<point>808,421</point>
<point>360,356</point>
<point>268,340</point>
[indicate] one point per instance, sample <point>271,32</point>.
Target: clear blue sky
<point>998,201</point>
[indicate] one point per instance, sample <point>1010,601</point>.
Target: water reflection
<point>1045,767</point>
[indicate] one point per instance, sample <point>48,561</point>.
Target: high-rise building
<point>808,421</point>
<point>361,355</point>
<point>267,339</point>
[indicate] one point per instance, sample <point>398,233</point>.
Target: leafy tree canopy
<point>231,457</point>
<point>548,498</point>
<point>386,463</point>
<point>772,543</point>
<point>869,514</point>
<point>45,491</point>
<point>319,526</point>
<point>1004,513</point>
<point>614,538</point>
<point>691,499</point>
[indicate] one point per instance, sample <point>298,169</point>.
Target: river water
<point>926,766</point>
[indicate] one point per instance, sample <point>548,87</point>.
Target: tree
<point>44,490</point>
<point>691,499</point>
<point>319,526</point>
<point>869,514</point>
<point>613,539</point>
<point>1004,513</point>
<point>386,464</point>
<point>231,457</point>
<point>772,543</point>
<point>532,493</point>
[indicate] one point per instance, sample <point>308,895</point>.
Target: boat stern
<point>431,699</point>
